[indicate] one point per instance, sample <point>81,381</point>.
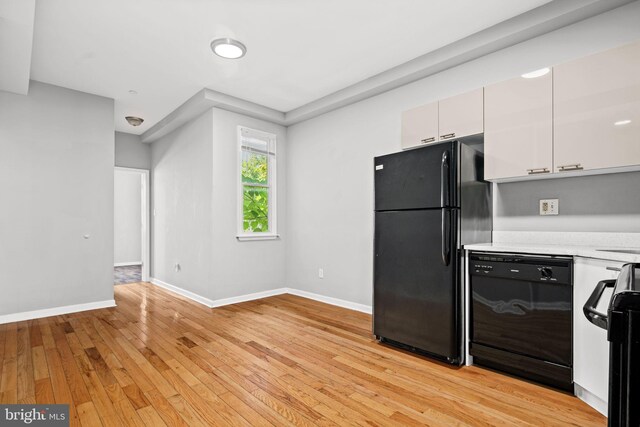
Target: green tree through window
<point>257,174</point>
<point>255,199</point>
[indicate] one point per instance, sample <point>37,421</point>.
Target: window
<point>257,185</point>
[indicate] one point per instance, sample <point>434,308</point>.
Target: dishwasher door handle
<point>599,319</point>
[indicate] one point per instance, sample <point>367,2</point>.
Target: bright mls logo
<point>34,415</point>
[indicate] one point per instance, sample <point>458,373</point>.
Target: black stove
<point>622,323</point>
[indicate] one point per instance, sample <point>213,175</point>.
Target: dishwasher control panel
<point>522,267</point>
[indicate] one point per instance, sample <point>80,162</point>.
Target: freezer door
<point>416,284</point>
<point>416,179</point>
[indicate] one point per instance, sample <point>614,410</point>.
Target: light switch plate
<point>549,207</point>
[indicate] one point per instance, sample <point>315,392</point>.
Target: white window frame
<point>272,174</point>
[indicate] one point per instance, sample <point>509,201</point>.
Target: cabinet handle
<point>449,135</point>
<point>537,171</point>
<point>614,269</point>
<point>431,139</point>
<point>567,168</point>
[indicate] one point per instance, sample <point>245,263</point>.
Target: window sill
<point>250,237</point>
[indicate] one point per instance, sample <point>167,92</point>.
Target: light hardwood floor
<point>159,359</point>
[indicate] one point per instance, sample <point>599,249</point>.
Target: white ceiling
<point>298,50</point>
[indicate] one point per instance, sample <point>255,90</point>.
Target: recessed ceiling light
<point>228,48</point>
<point>133,92</point>
<point>622,122</point>
<point>134,121</point>
<point>537,73</point>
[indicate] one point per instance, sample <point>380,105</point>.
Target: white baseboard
<point>248,297</point>
<point>185,293</point>
<point>126,264</point>
<point>258,295</point>
<point>591,399</point>
<point>330,300</point>
<point>56,311</point>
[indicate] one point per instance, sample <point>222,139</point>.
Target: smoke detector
<point>134,121</point>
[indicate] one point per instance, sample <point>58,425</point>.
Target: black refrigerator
<point>429,201</point>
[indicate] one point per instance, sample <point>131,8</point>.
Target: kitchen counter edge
<point>567,250</point>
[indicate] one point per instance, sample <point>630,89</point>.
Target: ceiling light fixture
<point>622,122</point>
<point>133,92</point>
<point>228,48</point>
<point>134,121</point>
<point>537,73</point>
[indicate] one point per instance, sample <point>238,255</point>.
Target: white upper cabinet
<point>597,110</point>
<point>518,121</point>
<point>583,115</point>
<point>453,117</point>
<point>461,115</point>
<point>420,125</point>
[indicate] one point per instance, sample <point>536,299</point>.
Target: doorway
<point>131,226</point>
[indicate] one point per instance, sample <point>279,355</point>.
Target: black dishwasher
<point>521,316</point>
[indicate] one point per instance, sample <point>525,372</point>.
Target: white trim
<point>204,100</point>
<point>332,301</point>
<point>248,297</point>
<point>216,303</point>
<point>257,236</point>
<point>591,399</point>
<point>127,264</point>
<point>272,185</point>
<point>56,311</point>
<point>133,170</point>
<point>264,294</point>
<point>185,293</point>
<point>145,221</point>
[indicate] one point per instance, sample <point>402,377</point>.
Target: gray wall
<point>128,217</point>
<point>131,152</point>
<point>56,182</point>
<point>330,179</point>
<point>605,203</point>
<point>182,224</point>
<point>195,201</point>
<point>243,267</point>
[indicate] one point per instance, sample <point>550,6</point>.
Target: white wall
<point>127,217</point>
<point>131,152</point>
<point>194,198</point>
<point>56,184</point>
<point>330,158</point>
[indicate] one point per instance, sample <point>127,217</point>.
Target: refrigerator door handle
<point>445,232</point>
<point>444,180</point>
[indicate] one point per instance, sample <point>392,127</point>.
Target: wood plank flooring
<point>159,359</point>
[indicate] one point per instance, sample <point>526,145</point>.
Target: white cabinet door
<point>597,110</point>
<point>590,345</point>
<point>461,115</point>
<point>518,134</point>
<point>420,125</point>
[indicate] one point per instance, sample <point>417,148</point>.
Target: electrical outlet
<point>321,273</point>
<point>177,267</point>
<point>549,206</point>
